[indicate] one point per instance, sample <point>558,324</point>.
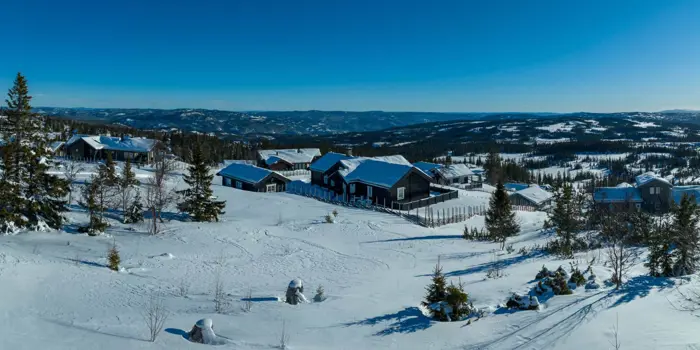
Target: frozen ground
<point>56,293</point>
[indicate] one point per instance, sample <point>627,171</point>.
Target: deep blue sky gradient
<point>443,55</point>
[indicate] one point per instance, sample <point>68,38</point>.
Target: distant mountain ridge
<point>272,124</point>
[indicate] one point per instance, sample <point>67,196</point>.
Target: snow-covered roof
<point>245,172</point>
<point>127,144</point>
<point>692,191</point>
<point>647,177</point>
<point>535,194</point>
<point>54,146</point>
<point>617,195</point>
<point>378,171</point>
<point>426,166</point>
<point>327,161</point>
<point>292,156</point>
<point>454,170</point>
<point>624,185</point>
<point>512,186</point>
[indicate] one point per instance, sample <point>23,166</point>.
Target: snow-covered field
<point>56,293</point>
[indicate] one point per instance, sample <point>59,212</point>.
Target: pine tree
<point>437,291</point>
<point>493,167</point>
<point>134,213</point>
<point>500,218</point>
<point>660,262</point>
<point>198,201</point>
<point>686,234</point>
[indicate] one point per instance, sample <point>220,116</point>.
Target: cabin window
<point>271,188</point>
<point>352,188</point>
<point>401,193</point>
<point>325,179</point>
<point>332,183</point>
<point>369,192</point>
<point>239,184</point>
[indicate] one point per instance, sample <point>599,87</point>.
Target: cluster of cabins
<point>649,192</point>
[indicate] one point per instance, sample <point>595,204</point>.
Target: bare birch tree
<point>70,173</point>
<point>158,195</point>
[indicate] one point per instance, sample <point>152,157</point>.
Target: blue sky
<point>408,55</point>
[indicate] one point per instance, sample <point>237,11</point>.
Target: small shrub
<point>330,219</point>
<point>510,249</point>
<point>544,272</point>
<point>113,257</point>
<point>560,285</point>
<point>577,278</point>
<point>155,314</point>
<point>320,296</point>
<point>183,287</point>
<point>458,301</point>
<point>523,251</point>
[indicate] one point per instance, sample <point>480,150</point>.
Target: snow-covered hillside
<point>57,293</point>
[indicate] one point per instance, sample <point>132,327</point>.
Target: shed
<point>455,174</point>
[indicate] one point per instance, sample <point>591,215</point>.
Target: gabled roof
<point>648,177</point>
<point>379,171</point>
<point>427,167</point>
<point>327,161</point>
<point>291,156</point>
<point>246,172</point>
<point>617,195</point>
<point>535,194</point>
<point>54,146</point>
<point>453,171</point>
<point>127,144</point>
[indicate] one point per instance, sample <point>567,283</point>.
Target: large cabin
<point>95,148</point>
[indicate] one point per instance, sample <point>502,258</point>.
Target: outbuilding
<point>251,178</point>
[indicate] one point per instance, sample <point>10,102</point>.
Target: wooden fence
<point>426,216</point>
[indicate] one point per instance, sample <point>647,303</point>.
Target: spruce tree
<point>134,213</point>
<point>493,167</point>
<point>500,217</point>
<point>660,262</point>
<point>685,231</point>
<point>92,201</point>
<point>198,202</point>
<point>10,202</point>
<point>107,171</point>
<point>565,217</point>
<point>436,291</point>
<point>39,194</point>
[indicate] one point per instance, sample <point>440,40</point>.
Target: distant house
<point>252,178</point>
<point>383,180</point>
<point>655,192</point>
<point>92,148</point>
<point>533,196</point>
<point>617,198</point>
<point>427,167</point>
<point>287,159</point>
<point>455,174</point>
<point>324,167</point>
<point>57,148</point>
<point>650,192</point>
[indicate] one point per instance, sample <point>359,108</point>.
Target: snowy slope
<point>374,267</point>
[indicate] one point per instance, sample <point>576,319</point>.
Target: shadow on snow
<point>408,320</point>
<point>503,263</point>
<point>421,238</point>
<point>640,287</point>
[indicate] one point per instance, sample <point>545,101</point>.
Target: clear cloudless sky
<point>396,55</point>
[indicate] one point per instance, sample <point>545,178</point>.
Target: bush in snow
<point>576,276</point>
<point>523,302</point>
<point>319,297</point>
<point>510,249</point>
<point>560,285</point>
<point>458,302</point>
<point>446,303</point>
<point>330,218</point>
<point>544,272</point>
<point>155,314</point>
<point>113,257</point>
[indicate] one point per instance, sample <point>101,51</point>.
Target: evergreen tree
<point>660,262</point>
<point>458,301</point>
<point>198,201</point>
<point>436,291</point>
<point>127,184</point>
<point>566,218</point>
<point>134,213</point>
<point>39,195</point>
<point>93,202</point>
<point>10,202</point>
<point>492,167</point>
<point>685,231</point>
<point>500,218</point>
<point>107,171</point>
<point>113,257</point>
